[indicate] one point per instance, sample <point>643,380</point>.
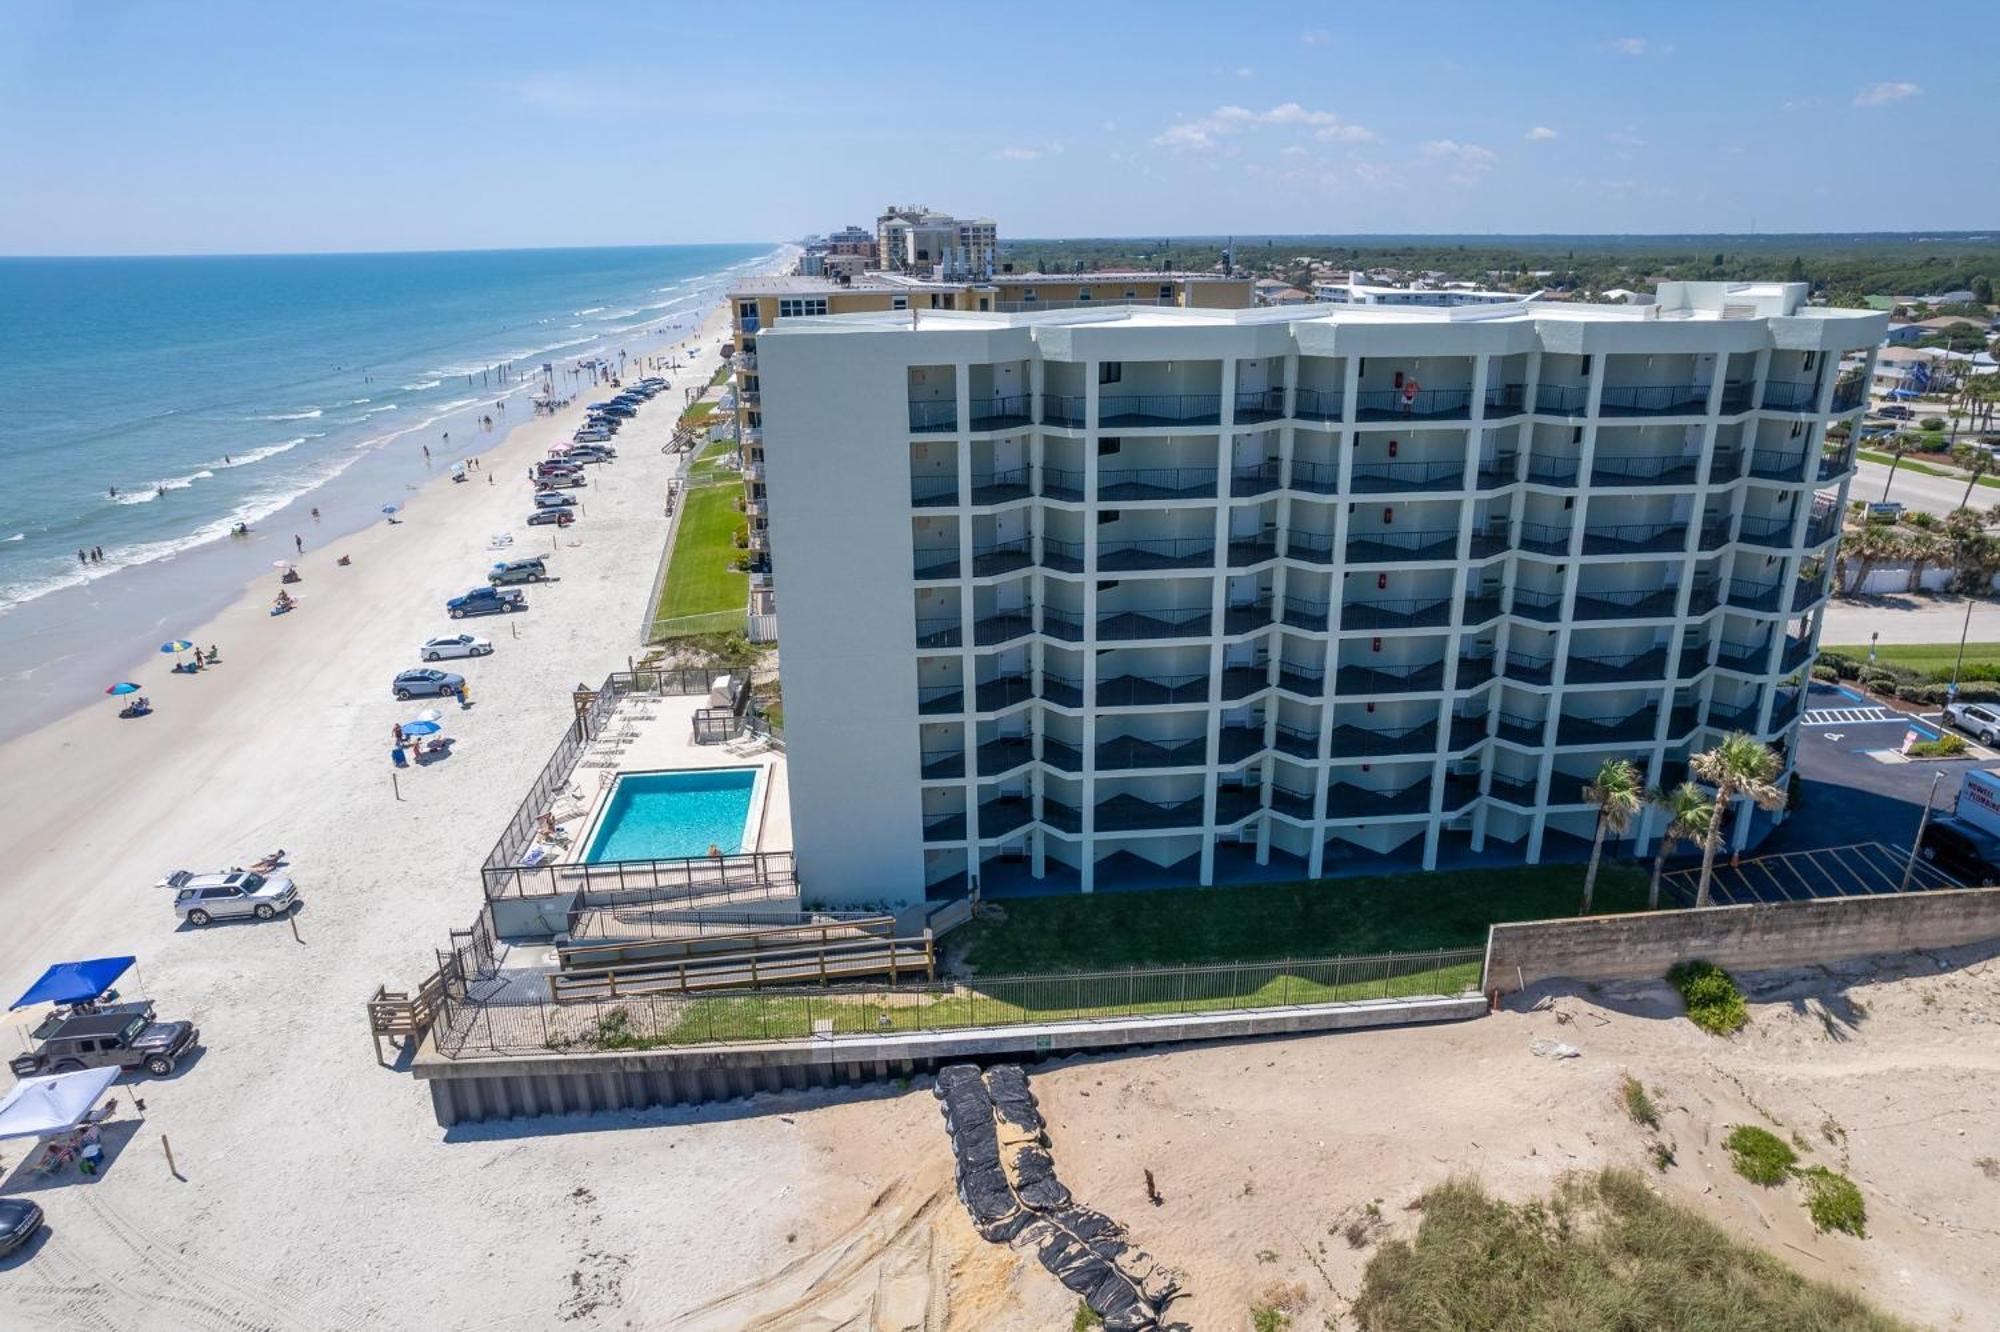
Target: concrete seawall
<point>474,1088</point>
<point>1740,938</point>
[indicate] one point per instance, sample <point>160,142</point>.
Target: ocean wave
<point>292,416</point>
<point>421,385</point>
<point>18,536</point>
<point>154,489</point>
<point>377,411</point>
<point>356,402</point>
<point>257,455</point>
<point>595,309</point>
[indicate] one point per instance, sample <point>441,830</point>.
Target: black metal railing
<point>1310,404</point>
<point>1160,622</point>
<point>1653,400</point>
<point>1637,469</point>
<point>935,561</point>
<point>1850,392</point>
<point>933,416</point>
<point>1379,478</point>
<point>1161,553</point>
<point>939,631</point>
<point>1398,404</point>
<point>1312,547</point>
<point>1254,405</point>
<point>1001,486</point>
<point>1143,409</point>
<point>1634,538</point>
<point>1063,409</point>
<point>1001,411</point>
<point>930,491</point>
<point>1138,691</point>
<point>1561,399</point>
<point>1781,395</point>
<point>1391,547</point>
<point>1554,469</point>
<point>1247,479</point>
<point>1132,483</point>
<point>1059,483</point>
<point>1319,478</point>
<point>1398,613</point>
<point>1778,465</point>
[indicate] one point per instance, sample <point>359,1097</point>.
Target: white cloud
<point>1631,46</point>
<point>1316,37</point>
<point>1881,94</point>
<point>1245,72</point>
<point>1110,127</point>
<point>1539,134</point>
<point>1204,131</point>
<point>1468,155</point>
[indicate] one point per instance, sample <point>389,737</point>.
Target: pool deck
<point>651,733</point>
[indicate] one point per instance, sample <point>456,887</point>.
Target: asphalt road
<point>1933,494</point>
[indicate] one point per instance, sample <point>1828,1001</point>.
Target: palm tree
<point>1619,794</point>
<point>1977,462</point>
<point>1923,549</point>
<point>1737,765</point>
<point>1687,811</point>
<point>1867,547</point>
<point>1896,446</point>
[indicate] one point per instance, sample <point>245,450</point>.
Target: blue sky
<point>139,127</point>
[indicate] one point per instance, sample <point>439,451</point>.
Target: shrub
<point>1844,666</point>
<point>1083,1320</point>
<point>1834,1202</point>
<point>1931,423</point>
<point>1920,518</point>
<point>1874,677</point>
<point>1760,1156</point>
<point>1947,745</point>
<point>1638,1104</point>
<point>1825,673</point>
<point>1713,1002</point>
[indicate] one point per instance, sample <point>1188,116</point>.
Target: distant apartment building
<point>1355,291</point>
<point>761,303</point>
<point>915,239</point>
<point>1100,597</point>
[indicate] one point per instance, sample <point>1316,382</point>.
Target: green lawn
<point>1927,657</point>
<point>1186,926</point>
<point>700,408</point>
<point>699,580</point>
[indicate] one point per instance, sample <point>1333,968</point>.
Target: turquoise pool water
<point>668,815</point>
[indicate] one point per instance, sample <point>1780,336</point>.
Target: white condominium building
<point>1139,595</point>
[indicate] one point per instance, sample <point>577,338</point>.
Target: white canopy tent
<point>44,1107</point>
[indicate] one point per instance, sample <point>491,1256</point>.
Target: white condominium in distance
<point>1161,595</point>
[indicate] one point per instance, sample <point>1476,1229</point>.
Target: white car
<point>202,898</point>
<point>1981,720</point>
<point>454,645</point>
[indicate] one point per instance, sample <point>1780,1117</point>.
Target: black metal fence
<point>517,1021</point>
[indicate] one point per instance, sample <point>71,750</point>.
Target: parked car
<point>85,1039</point>
<point>20,1218</point>
<point>1895,412</point>
<point>591,435</point>
<point>1968,854</point>
<point>518,571</point>
<point>454,645</point>
<point>545,517</point>
<point>551,499</point>
<point>201,898</point>
<point>422,682</point>
<point>487,600</point>
<point>585,454</point>
<point>563,480</point>
<point>1981,720</point>
<point>620,409</point>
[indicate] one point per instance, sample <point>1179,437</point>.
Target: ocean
<point>149,405</point>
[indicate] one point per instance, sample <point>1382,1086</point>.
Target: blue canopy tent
<point>75,982</point>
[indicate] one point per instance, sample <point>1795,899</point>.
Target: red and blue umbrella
<point>123,687</point>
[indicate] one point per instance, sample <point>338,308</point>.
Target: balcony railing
<point>1140,483</point>
<point>1424,404</point>
<point>1247,617</point>
<point>1239,682</point>
<point>1527,668</point>
<point>1732,717</point>
<point>1247,550</point>
<point>1627,605</point>
<point>1004,692</point>
<point>1002,411</point>
<point>1004,753</point>
<point>1236,743</point>
<point>1141,691</point>
<point>1561,399</point>
<point>1607,730</point>
<point>999,817</point>
<point>1124,813</point>
<point>1497,471</point>
<point>1521,729</point>
<point>1310,404</point>
<point>1403,613</point>
<point>1393,547</point>
<point>1754,596</point>
<point>1344,801</point>
<point>1806,591</point>
<point>942,763</point>
<point>1479,608</point>
<point>999,487</point>
<point>1158,409</point>
<point>1002,626</point>
<point>945,827</point>
<point>1546,538</point>
<point>1782,395</point>
<point>1304,613</point>
<point>1247,479</point>
<point>1295,740</point>
<point>1061,690</point>
<point>1371,680</point>
<point>1633,469</point>
<point>1653,400</point>
<point>1291,803</point>
<point>1473,672</point>
<point>935,699</point>
<point>1357,742</point>
<point>1534,604</point>
<point>926,417</point>
<point>1119,753</point>
<point>938,631</point>
<point>1768,533</point>
<point>1482,544</point>
<point>1253,405</point>
<point>1506,399</point>
<point>1835,463</point>
<point>1778,465</point>
<point>933,491</point>
<point>1320,478</point>
<point>1514,792</point>
<point>1301,678</point>
<point>1063,409</point>
<point>1714,534</point>
<point>936,561</point>
<point>1059,483</point>
<point>1063,556</point>
<point>1062,624</point>
<point>1737,397</point>
<point>1161,622</point>
<point>1379,478</point>
<point>1163,553</point>
<point>1553,470</point>
<point>1798,651</point>
<point>1850,393</point>
<point>1632,666</point>
<point>1739,656</point>
<point>1635,539</point>
<point>1467,730</point>
<point>1000,557</point>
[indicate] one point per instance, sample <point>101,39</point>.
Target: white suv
<point>1976,719</point>
<point>202,898</point>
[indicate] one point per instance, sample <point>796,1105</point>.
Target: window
<point>984,303</point>
<point>1028,294</point>
<point>1110,372</point>
<point>1083,293</point>
<point>1108,446</point>
<point>899,302</point>
<point>747,312</point>
<point>1131,295</point>
<point>1812,359</point>
<point>801,306</point>
<point>1167,292</point>
<point>1107,516</point>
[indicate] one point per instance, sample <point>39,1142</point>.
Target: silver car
<point>200,899</point>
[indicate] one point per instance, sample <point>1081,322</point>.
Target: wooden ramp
<point>673,949</point>
<point>836,959</point>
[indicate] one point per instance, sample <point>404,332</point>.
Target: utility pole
<point>1951,692</point>
<point>1910,868</point>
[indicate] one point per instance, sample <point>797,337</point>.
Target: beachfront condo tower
<point>1098,597</point>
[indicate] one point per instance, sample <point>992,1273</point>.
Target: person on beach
<point>97,554</point>
<point>113,490</point>
<point>315,515</point>
<point>427,450</point>
<point>300,542</point>
<point>82,556</point>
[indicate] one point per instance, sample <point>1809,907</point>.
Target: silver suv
<point>200,899</point>
<point>1975,719</point>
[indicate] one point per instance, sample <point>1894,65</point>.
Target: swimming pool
<point>669,815</point>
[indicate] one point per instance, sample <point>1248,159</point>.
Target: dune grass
<point>1604,1252</point>
<point>699,580</point>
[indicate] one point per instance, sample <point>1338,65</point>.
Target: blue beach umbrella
<point>421,727</point>
<point>178,645</point>
<point>123,687</point>
<point>388,508</point>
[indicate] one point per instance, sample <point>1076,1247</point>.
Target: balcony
<point>1530,604</point>
<point>1369,680</point>
<point>1006,753</point>
<point>1546,538</point>
<point>1479,608</point>
<point>1397,547</point>
<point>1236,743</point>
<point>1167,553</point>
<point>1798,651</point>
<point>1310,547</point>
<point>1745,657</point>
<point>1850,393</point>
<point>1307,681</point>
<point>1382,478</point>
<point>1061,817</point>
<point>935,561</point>
<point>938,631</point>
<point>927,492</point>
<point>1063,409</point>
<point>1245,551</point>
<point>933,700</point>
<point>1002,557</point>
<point>1506,400</point>
<point>1635,539</point>
<point>1525,668</point>
<point>1002,627</point>
<point>1806,592</point>
<point>1786,707</point>
<point>1823,526</point>
<point>1636,727</point>
<point>1129,752</point>
<point>999,817</point>
<point>1118,626</point>
<point>1482,545</point>
<point>1407,613</point>
<point>1473,672</point>
<point>1778,465</point>
<point>1158,409</point>
<point>1835,463</point>
<point>745,361</point>
<point>1005,692</point>
<point>1355,742</point>
<point>945,828</point>
<point>1248,617</point>
<point>1632,667</point>
<point>1061,690</point>
<point>1422,405</point>
<point>1653,400</point>
<point>1296,741</point>
<point>999,487</point>
<point>939,764</point>
<point>1754,596</point>
<point>1782,395</point>
<point>1561,399</point>
<point>1062,556</point>
<point>1291,803</point>
<point>1058,483</point>
<point>1003,411</point>
<point>1733,717</point>
<point>1467,731</point>
<point>1737,398</point>
<point>1061,624</point>
<point>1725,464</point>
<point>1767,533</point>
<point>1239,682</point>
<point>1518,793</point>
<point>1521,730</point>
<point>1254,405</point>
<point>1303,613</point>
<point>1636,469</point>
<point>1353,802</point>
<point>1142,691</point>
<point>1061,757</point>
<point>1124,813</point>
<point>1714,534</point>
<point>1144,483</point>
<point>1253,479</point>
<point>1497,471</point>
<point>1317,405</point>
<point>1318,478</point>
<point>1627,605</point>
<point>1553,470</point>
<point>931,417</point>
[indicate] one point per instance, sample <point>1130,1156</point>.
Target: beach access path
<point>317,1190</point>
